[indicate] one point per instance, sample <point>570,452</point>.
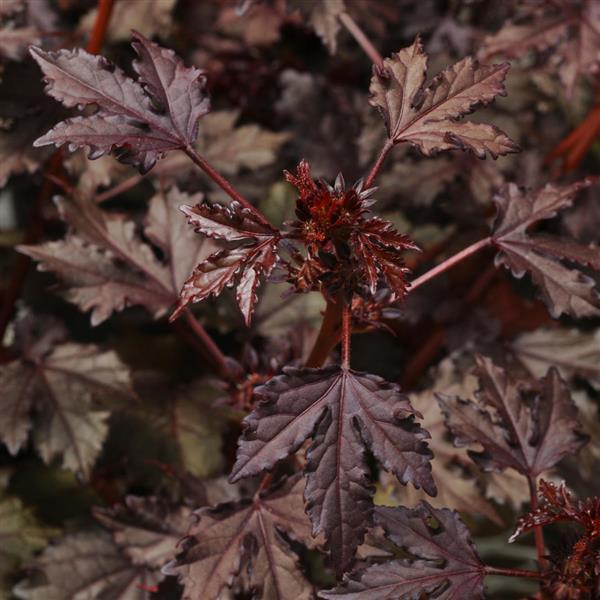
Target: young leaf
<point>346,413</point>
<point>573,574</point>
<point>563,289</point>
<point>247,536</point>
<point>242,266</point>
<point>127,120</point>
<point>530,437</point>
<point>447,564</point>
<point>427,118</point>
<point>88,565</point>
<point>54,393</point>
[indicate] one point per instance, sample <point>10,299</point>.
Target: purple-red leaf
<point>243,266</point>
<point>563,289</point>
<point>447,565</point>
<point>529,435</point>
<point>127,117</point>
<point>346,413</point>
<point>427,117</point>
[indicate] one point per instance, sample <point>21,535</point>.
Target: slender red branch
<point>513,572</point>
<point>224,184</point>
<point>120,188</point>
<point>449,263</point>
<point>346,334</point>
<point>538,532</point>
<point>211,351</point>
<point>363,41</point>
<point>378,164</point>
<point>328,335</point>
<point>100,27</point>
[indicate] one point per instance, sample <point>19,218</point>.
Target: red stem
<point>363,41</point>
<point>224,184</point>
<point>449,263</point>
<point>378,164</point>
<point>538,532</point>
<point>346,334</point>
<point>98,33</point>
<point>210,350</point>
<point>120,188</point>
<point>328,335</point>
<point>513,572</point>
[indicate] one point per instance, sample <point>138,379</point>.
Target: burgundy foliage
<point>274,454</point>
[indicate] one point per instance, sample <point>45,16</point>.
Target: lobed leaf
<point>346,413</point>
<point>128,120</point>
<point>56,396</point>
<point>242,266</point>
<point>88,565</point>
<point>427,117</point>
<point>563,289</point>
<point>530,437</point>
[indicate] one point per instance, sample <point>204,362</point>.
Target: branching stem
<point>513,572</point>
<point>224,184</point>
<point>211,351</point>
<point>329,334</point>
<point>346,334</point>
<point>449,263</point>
<point>378,164</point>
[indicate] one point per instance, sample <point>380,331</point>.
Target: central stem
<point>537,529</point>
<point>346,333</point>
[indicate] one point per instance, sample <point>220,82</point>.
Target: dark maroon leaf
<point>245,538</point>
<point>346,413</point>
<point>563,289</point>
<point>126,119</point>
<point>447,565</point>
<point>528,435</point>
